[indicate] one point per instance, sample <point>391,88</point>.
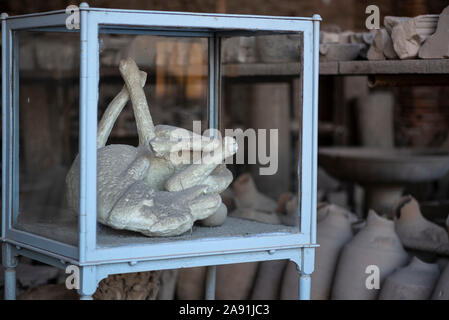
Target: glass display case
<point>96,118</point>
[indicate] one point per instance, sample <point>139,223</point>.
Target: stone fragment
<point>390,22</point>
<point>437,46</point>
<point>329,37</point>
<point>364,38</point>
<point>339,51</point>
<point>278,48</point>
<point>382,47</point>
<point>239,50</point>
<point>409,35</point>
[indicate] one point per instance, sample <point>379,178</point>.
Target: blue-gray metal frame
<point>96,262</point>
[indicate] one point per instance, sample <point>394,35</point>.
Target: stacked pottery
<point>278,48</point>
<point>251,204</point>
<point>447,223</point>
<point>376,246</point>
<point>414,282</point>
<point>168,281</point>
<point>415,231</point>
<point>290,282</point>
<point>268,280</point>
<point>191,282</point>
<point>333,232</point>
<point>287,209</point>
<point>235,281</point>
<point>441,291</point>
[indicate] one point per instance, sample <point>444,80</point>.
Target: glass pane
<point>176,94</point>
<point>262,102</point>
<point>47,97</point>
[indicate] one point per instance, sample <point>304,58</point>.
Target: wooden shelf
<point>357,67</point>
<point>344,68</point>
<point>365,67</point>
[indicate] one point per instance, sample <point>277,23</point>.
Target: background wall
<point>348,14</point>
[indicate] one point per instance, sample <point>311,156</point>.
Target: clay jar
<point>235,281</point>
<point>268,280</point>
<point>375,245</point>
<point>333,232</point>
<point>414,282</point>
<point>415,231</point>
<point>168,281</point>
<point>191,282</point>
<point>251,204</point>
<point>247,195</point>
<point>441,291</point>
<point>290,282</point>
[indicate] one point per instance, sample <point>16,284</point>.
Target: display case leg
<point>88,282</point>
<point>9,259</point>
<point>304,286</point>
<point>211,275</point>
<point>10,284</point>
<point>305,272</point>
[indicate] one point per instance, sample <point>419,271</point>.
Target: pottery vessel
<point>168,280</point>
<point>415,231</point>
<point>437,46</point>
<point>378,245</point>
<point>447,223</point>
<point>340,51</point>
<point>235,281</point>
<point>191,282</point>
<point>252,204</point>
<point>290,282</point>
<point>278,48</point>
<point>268,280</point>
<point>252,214</point>
<point>441,291</point>
<point>414,282</point>
<point>383,172</point>
<point>247,195</point>
<point>409,35</point>
<point>333,232</point>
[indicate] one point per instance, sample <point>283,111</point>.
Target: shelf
<point>261,69</point>
<point>357,67</point>
<point>438,66</point>
<point>66,231</point>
